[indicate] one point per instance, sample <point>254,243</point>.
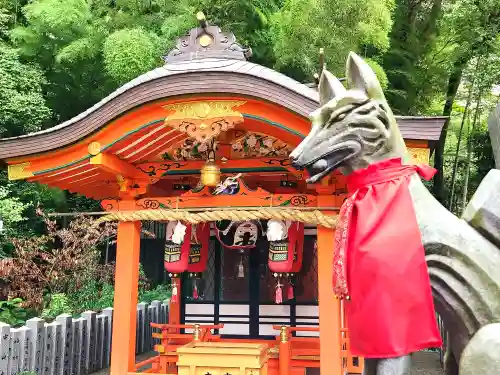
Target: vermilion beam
<point>115,165</point>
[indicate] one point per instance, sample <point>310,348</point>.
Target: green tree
<point>473,29</point>
<point>301,27</point>
<point>130,52</point>
<point>22,105</point>
<point>409,65</point>
<point>11,214</point>
<point>250,20</point>
<point>468,154</point>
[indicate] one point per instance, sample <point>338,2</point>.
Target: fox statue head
<point>352,129</point>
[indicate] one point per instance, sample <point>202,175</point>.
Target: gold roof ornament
<point>204,120</point>
<point>207,41</point>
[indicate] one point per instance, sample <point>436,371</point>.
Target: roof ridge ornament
<point>207,41</point>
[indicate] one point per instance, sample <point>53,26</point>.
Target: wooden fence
<point>70,346</point>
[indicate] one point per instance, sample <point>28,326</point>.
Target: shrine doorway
<point>245,301</point>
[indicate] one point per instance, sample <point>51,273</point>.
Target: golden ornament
<point>210,174</point>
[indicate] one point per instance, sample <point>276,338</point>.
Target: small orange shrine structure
<point>141,150</point>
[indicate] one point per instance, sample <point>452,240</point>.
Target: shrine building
<point>197,150</point>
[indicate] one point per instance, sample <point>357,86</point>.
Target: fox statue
<point>390,222</point>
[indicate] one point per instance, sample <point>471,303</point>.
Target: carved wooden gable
<point>243,145</point>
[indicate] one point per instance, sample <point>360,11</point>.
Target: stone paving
<point>424,363</point>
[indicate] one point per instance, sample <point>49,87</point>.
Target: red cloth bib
<point>380,264</point>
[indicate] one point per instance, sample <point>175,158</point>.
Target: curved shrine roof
<point>192,69</point>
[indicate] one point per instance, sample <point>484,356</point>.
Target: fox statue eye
<point>341,116</point>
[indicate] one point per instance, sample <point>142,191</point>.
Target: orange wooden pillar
<point>125,304</point>
<point>285,352</point>
<point>329,306</point>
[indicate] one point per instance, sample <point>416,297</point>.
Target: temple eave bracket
<point>116,166</point>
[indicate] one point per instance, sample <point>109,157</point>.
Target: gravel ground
<point>424,363</point>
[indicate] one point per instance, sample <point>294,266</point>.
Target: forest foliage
<point>434,57</point>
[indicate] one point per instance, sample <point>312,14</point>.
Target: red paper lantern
<point>285,256</point>
<point>177,255</point>
<point>198,254</point>
<point>298,254</point>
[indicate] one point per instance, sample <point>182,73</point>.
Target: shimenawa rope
<point>310,217</point>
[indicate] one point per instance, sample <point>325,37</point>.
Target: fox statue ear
<point>329,87</point>
<point>361,77</point>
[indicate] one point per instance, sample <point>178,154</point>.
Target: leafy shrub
<point>93,295</point>
<point>160,293</point>
<point>59,304</point>
<point>62,261</point>
<point>12,312</point>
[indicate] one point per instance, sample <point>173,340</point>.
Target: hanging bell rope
<point>310,217</point>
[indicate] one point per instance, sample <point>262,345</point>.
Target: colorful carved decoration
<point>190,149</point>
<point>258,145</point>
<point>243,145</point>
<point>177,246</point>
<point>204,120</point>
<point>230,186</point>
<point>109,204</point>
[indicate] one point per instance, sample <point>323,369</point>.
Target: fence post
<point>100,341</point>
<point>151,319</point>
<point>37,341</point>
<point>52,349</point>
<point>78,348</point>
<point>138,329</point>
<point>156,319</point>
<point>25,346</point>
<point>90,317</point>
<point>15,352</point>
<point>164,310</point>
<point>109,326</point>
<point>59,348</point>
<point>143,323</point>
<point>4,348</point>
<point>66,342</point>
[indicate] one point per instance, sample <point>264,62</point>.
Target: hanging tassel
<point>174,298</point>
<point>241,269</point>
<point>290,294</point>
<point>279,294</point>
<point>195,290</point>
